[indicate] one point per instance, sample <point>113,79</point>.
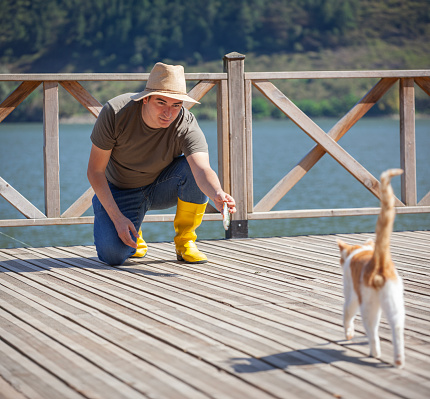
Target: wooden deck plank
<point>339,307</point>
<point>144,343</point>
<point>124,365</point>
<point>8,391</point>
<point>212,352</point>
<point>326,379</point>
<point>262,319</point>
<point>203,266</point>
<point>66,365</point>
<point>31,379</point>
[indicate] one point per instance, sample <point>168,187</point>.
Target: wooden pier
<point>262,319</point>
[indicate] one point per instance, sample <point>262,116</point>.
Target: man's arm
<point>208,181</point>
<point>96,175</point>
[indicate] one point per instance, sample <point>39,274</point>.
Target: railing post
<point>51,151</point>
<point>223,136</point>
<point>234,66</point>
<point>407,142</point>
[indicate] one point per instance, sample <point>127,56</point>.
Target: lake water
<point>277,146</point>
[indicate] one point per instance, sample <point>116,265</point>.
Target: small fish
<point>225,216</point>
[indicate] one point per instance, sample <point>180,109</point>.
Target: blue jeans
<point>176,181</point>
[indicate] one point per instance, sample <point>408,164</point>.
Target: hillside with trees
<point>53,36</point>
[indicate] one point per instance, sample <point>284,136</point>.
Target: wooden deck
<point>262,319</point>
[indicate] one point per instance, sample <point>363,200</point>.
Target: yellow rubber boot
<point>188,217</point>
<point>142,248</point>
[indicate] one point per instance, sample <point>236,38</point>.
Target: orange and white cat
<point>371,282</point>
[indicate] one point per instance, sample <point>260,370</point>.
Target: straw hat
<point>166,80</point>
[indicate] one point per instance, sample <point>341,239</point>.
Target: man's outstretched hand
<point>124,227</point>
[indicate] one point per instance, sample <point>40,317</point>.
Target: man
<point>148,152</point>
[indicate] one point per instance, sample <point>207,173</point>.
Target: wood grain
<point>261,319</point>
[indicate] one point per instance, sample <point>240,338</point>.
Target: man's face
<point>159,111</point>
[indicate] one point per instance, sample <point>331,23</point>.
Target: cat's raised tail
<point>383,267</point>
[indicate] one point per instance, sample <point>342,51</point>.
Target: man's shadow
<point>36,264</point>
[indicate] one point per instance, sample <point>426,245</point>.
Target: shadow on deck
<point>262,319</point>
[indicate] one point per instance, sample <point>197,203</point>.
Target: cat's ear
<point>369,241</point>
<point>341,245</point>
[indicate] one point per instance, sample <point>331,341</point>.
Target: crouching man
<point>148,152</point>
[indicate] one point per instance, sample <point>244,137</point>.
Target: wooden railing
<point>234,126</point>
<point>70,82</point>
<point>242,170</point>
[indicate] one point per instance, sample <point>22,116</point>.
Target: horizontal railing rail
<point>397,73</point>
<point>234,127</point>
<point>100,77</point>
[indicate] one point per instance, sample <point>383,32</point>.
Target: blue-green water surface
<point>278,145</point>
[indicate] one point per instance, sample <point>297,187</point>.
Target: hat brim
<point>180,97</point>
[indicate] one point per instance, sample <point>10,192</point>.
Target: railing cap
<point>234,56</point>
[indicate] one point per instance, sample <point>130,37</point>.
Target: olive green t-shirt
<point>140,153</point>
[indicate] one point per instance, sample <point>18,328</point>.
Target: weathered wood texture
<point>419,74</point>
<point>78,208</point>
<point>223,136</point>
<point>17,97</point>
<point>83,97</point>
<point>407,141</point>
<point>398,73</point>
<point>199,91</point>
<point>321,138</point>
<point>234,66</point>
<point>316,153</point>
<point>51,149</point>
<point>262,319</point>
<point>235,153</point>
<point>248,148</point>
<point>19,201</point>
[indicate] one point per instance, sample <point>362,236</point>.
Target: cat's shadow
<point>303,358</point>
